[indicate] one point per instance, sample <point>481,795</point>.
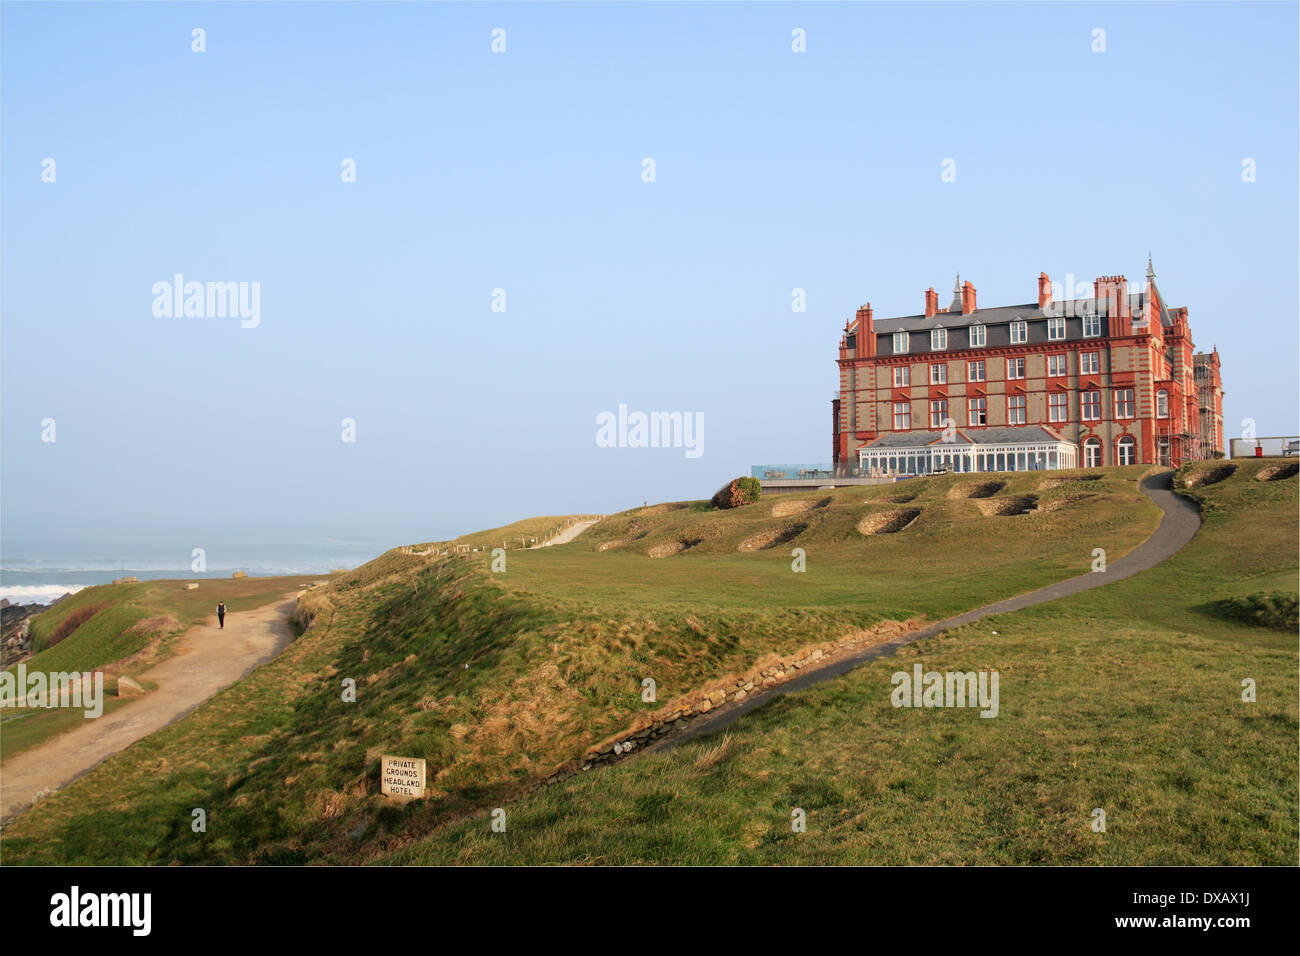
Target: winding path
<point>206,661</point>
<point>1178,525</point>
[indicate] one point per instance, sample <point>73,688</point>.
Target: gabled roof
<point>1002,435</point>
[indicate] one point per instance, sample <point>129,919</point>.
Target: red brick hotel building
<point>1104,380</point>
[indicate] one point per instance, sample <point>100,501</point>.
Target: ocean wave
<point>37,593</point>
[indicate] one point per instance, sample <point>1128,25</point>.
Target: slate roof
<point>1004,435</point>
<point>998,315</point>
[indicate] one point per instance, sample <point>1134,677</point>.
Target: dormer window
<point>1056,328</point>
<point>938,339</point>
<point>900,343</point>
<point>977,336</point>
<point>1019,332</point>
<point>1091,325</point>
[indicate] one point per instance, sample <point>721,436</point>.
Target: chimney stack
<point>931,302</point>
<point>1044,290</point>
<point>866,333</point>
<point>967,298</point>
<point>1113,290</point>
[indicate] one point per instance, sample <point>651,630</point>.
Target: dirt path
<point>1178,525</point>
<point>569,533</point>
<point>206,660</point>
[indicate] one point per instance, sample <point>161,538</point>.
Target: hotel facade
<point>1110,379</point>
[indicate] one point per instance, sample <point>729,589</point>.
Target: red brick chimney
<point>1044,290</point>
<point>931,302</point>
<point>866,332</point>
<point>1114,291</point>
<point>967,298</point>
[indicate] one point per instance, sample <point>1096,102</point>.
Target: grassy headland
<point>498,679</point>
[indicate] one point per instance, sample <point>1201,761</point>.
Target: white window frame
<point>1129,398</point>
<point>982,410</point>
<point>1061,364</point>
<point>1019,332</point>
<point>938,412</point>
<point>1091,320</point>
<point>1084,405</point>
<point>938,373</point>
<point>1022,409</point>
<point>903,410</point>
<point>901,337</point>
<point>1088,444</point>
<point>902,376</point>
<point>938,339</point>
<point>978,336</point>
<point>1058,406</point>
<point>1125,441</point>
<point>1055,328</point>
<point>1162,403</point>
<point>1019,365</point>
<point>1093,366</point>
<point>973,366</point>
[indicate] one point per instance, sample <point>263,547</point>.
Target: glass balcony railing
<point>806,471</point>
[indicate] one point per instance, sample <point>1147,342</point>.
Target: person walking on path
<point>221,614</point>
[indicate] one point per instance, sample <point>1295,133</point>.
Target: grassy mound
<point>1008,505</point>
<point>500,679</point>
<point>1127,698</point>
<point>1278,472</point>
<point>888,522</point>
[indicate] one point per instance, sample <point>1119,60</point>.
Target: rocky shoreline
<point>15,641</point>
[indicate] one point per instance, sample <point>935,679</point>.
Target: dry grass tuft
<point>712,756</point>
<point>154,625</point>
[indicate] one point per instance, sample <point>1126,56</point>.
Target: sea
<point>39,567</point>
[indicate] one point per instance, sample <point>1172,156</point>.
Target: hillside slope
<point>1127,699</point>
<point>500,679</point>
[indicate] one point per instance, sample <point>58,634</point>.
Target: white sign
<point>402,777</point>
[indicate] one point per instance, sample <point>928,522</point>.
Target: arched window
<point>1092,453</point>
<point>1162,404</point>
<point>1127,451</point>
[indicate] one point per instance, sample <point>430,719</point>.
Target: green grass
<point>1126,698</point>
<point>142,618</point>
<point>499,679</point>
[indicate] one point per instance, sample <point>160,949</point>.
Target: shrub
<point>737,492</point>
<point>1264,610</point>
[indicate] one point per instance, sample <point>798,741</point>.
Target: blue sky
<point>522,171</point>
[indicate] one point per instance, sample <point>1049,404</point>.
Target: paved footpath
<point>207,659</point>
<point>1179,524</point>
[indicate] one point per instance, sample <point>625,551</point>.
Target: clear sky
<point>522,171</point>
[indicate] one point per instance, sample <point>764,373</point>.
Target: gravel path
<point>206,660</point>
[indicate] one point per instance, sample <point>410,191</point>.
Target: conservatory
<point>1024,448</point>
